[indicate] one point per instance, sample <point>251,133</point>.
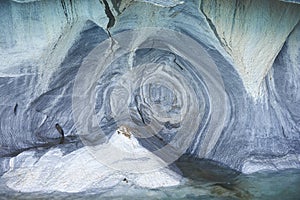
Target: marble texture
<point>52,170</point>
<point>248,31</point>
<point>255,45</point>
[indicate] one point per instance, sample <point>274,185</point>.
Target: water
<point>205,180</point>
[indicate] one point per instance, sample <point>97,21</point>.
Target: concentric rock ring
<point>135,81</point>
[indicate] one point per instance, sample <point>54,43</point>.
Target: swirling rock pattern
<point>246,41</point>
<point>44,46</point>
<point>169,92</point>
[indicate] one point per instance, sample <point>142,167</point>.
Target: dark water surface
<point>205,180</point>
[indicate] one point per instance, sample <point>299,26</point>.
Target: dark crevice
<point>63,4</point>
<point>175,61</point>
<point>283,132</point>
<point>211,24</point>
<point>110,16</point>
<point>16,109</point>
<point>71,8</point>
<point>139,111</point>
<point>61,132</point>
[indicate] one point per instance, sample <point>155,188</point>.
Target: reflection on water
<point>205,180</point>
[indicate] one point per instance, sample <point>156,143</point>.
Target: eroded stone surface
<point>248,31</point>
<point>52,170</point>
<point>44,44</point>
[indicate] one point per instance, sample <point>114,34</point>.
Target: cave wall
<point>253,43</point>
<point>34,42</point>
